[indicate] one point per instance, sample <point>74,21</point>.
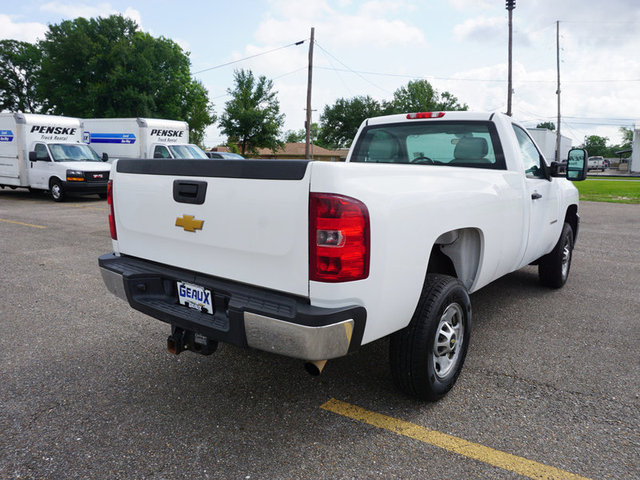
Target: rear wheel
<point>553,268</point>
<point>427,356</point>
<point>56,189</point>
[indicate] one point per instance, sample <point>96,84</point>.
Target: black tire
<point>56,190</point>
<point>554,268</point>
<point>103,196</point>
<point>443,316</point>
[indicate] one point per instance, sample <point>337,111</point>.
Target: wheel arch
<point>457,253</point>
<point>52,178</point>
<point>573,219</point>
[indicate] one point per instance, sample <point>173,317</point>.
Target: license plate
<point>196,297</point>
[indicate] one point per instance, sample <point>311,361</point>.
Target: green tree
<point>339,123</point>
<point>596,145</point>
<point>627,138</point>
<point>107,67</point>
<point>295,136</point>
<point>548,125</point>
<point>300,136</point>
<point>19,70</point>
<point>252,117</point>
<point>420,96</point>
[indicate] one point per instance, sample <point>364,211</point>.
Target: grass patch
<point>614,191</point>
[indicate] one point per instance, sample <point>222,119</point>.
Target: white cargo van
<point>140,138</point>
<point>45,152</point>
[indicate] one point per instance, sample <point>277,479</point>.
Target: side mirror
<point>558,169</point>
<point>105,157</point>
<point>577,164</point>
<point>33,157</point>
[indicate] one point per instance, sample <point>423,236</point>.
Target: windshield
<point>187,151</point>
<point>461,144</point>
<point>72,152</point>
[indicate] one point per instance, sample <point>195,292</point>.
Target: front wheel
<point>56,189</point>
<point>427,356</point>
<point>553,268</point>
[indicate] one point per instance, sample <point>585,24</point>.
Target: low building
<point>292,151</point>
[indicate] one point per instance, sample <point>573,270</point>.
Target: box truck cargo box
<point>129,138</point>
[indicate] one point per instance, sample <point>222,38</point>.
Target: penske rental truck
<point>46,152</point>
<point>130,138</point>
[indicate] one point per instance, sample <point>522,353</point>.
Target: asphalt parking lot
<point>550,388</point>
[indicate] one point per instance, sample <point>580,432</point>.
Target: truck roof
<point>446,115</point>
<point>29,118</point>
<point>142,122</point>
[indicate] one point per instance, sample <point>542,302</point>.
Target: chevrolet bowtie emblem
<point>189,223</point>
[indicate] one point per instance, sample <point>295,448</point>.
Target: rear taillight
<point>419,115</point>
<point>112,215</point>
<point>338,238</point>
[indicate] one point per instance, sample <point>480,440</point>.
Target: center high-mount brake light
<point>338,238</point>
<point>112,215</point>
<point>419,115</point>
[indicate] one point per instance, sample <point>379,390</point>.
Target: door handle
<point>535,196</point>
<point>189,192</point>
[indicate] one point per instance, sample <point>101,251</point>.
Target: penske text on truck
<point>126,138</point>
<point>46,152</point>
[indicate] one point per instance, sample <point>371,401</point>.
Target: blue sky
<point>374,47</point>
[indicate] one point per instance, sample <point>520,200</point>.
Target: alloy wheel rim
<point>566,257</point>
<point>448,341</point>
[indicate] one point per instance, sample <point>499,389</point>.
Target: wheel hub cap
<point>566,256</point>
<point>448,340</point>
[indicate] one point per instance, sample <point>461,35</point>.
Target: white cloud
<point>134,15</point>
<point>75,10</point>
<point>23,31</point>
<point>372,24</point>
<point>465,5</point>
<point>481,29</point>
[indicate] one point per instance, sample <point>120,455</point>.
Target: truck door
<point>543,198</point>
<point>42,169</point>
<point>160,151</point>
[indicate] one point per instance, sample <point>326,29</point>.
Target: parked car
<point>227,155</point>
<point>597,163</point>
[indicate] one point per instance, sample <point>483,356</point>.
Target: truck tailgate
<point>254,216</point>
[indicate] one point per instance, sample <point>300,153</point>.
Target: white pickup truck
<point>314,259</point>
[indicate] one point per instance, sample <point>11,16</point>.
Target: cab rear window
<point>460,144</point>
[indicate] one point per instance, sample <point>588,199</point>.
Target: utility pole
<point>510,5</point>
<point>307,124</point>
<point>558,136</point>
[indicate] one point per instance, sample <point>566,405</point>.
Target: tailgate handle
<point>189,191</point>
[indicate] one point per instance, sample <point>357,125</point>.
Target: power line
<point>274,78</point>
<point>399,75</point>
<point>250,57</point>
<point>350,69</point>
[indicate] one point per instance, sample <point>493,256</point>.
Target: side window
<point>530,155</point>
<point>161,152</point>
<point>41,152</point>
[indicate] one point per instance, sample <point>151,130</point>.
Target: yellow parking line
<point>506,461</point>
<point>87,207</point>
<point>22,223</point>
